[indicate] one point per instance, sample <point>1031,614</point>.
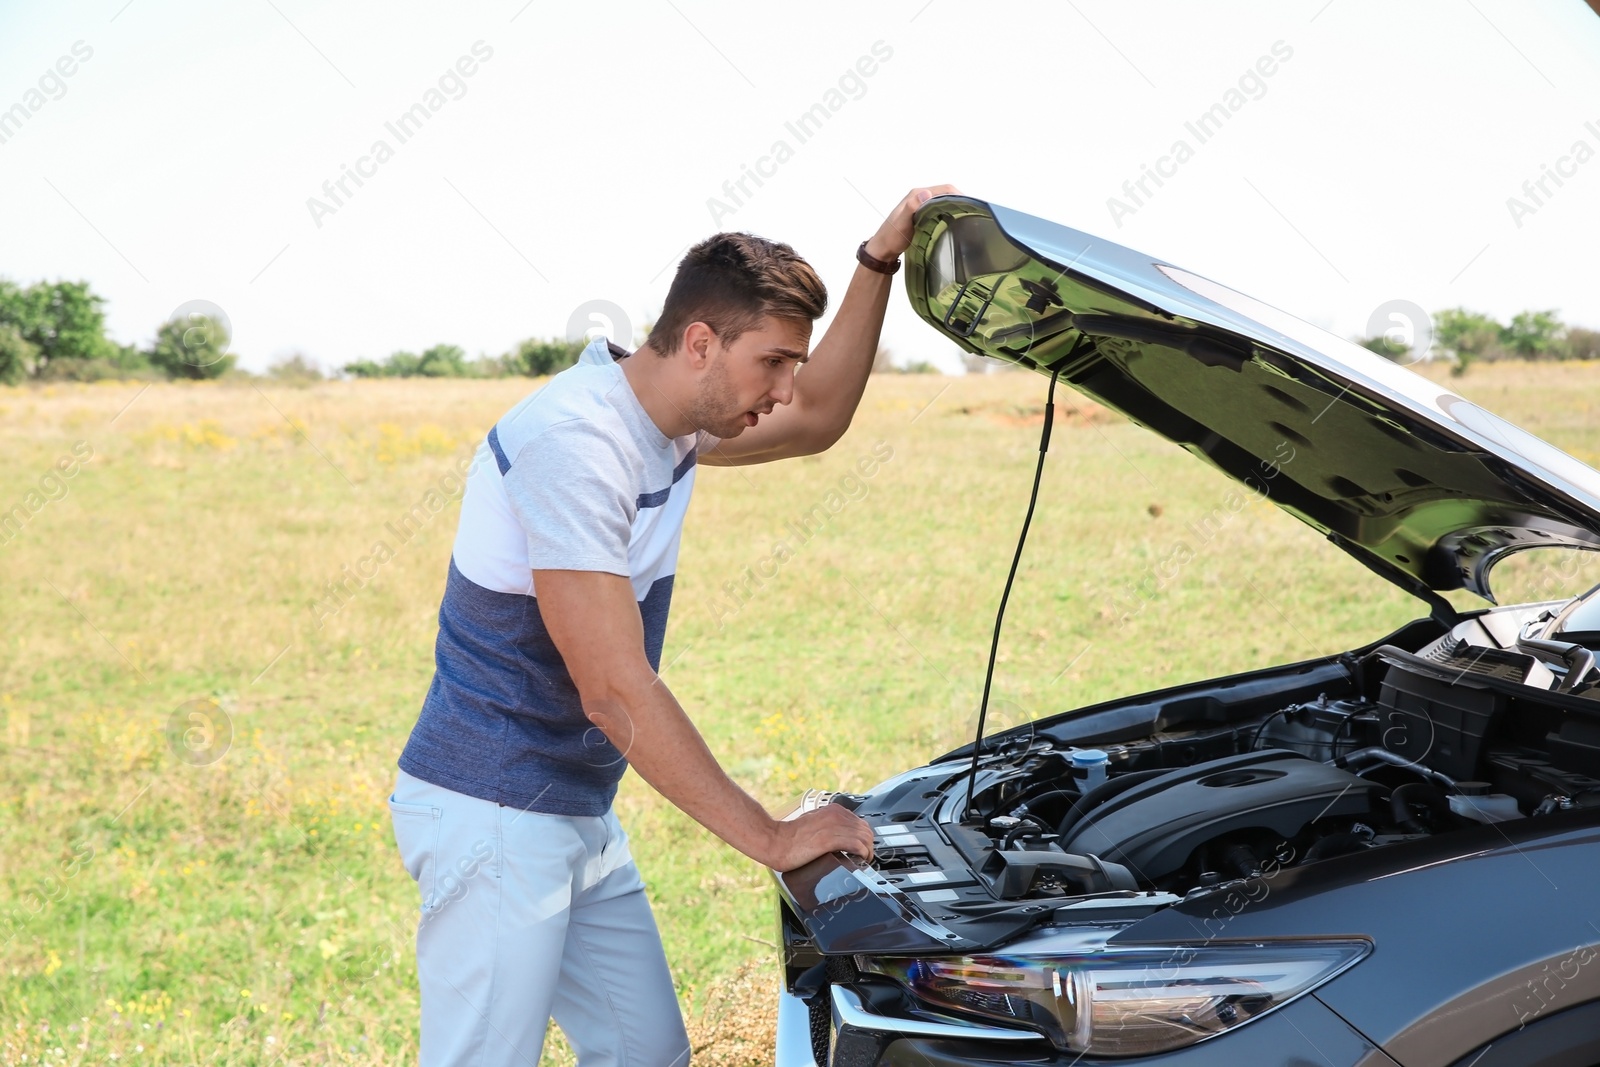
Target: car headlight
<point>1125,1002</point>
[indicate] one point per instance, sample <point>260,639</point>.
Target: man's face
<point>749,377</point>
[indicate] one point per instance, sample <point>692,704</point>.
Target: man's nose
<point>784,392</point>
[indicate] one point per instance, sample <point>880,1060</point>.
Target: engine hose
<point>1424,795</point>
<point>1028,825</point>
<point>1101,793</point>
<point>1025,808</point>
<point>1376,754</point>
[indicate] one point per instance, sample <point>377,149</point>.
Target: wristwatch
<point>872,262</point>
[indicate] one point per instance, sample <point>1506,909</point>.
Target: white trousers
<point>526,916</point>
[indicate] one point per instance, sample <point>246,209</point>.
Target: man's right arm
<point>594,620</point>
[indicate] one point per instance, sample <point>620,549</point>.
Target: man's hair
<point>730,282</point>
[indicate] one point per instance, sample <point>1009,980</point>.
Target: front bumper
<point>1299,1033</point>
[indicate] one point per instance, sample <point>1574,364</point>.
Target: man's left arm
<point>829,387</point>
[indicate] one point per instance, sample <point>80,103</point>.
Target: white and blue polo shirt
<point>575,477</point>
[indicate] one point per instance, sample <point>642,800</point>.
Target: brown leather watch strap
<point>872,262</point>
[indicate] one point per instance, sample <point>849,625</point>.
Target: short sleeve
<point>571,489</point>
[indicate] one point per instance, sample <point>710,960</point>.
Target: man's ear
<point>697,341</point>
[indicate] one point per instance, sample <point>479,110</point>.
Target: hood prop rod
<point>1005,595</point>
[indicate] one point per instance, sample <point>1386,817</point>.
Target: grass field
<point>173,895</point>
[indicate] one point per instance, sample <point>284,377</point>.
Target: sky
<point>1440,152</point>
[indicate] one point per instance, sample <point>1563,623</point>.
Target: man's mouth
<point>751,417</point>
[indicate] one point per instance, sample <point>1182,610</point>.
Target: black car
<point>1387,856</point>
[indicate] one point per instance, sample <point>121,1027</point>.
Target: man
<point>550,636</point>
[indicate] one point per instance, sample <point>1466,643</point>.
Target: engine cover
<point>1154,827</point>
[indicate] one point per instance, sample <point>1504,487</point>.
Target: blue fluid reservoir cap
<point>1089,757</point>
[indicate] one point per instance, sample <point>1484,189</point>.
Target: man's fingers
<point>842,830</point>
<point>858,843</point>
<point>917,197</point>
<point>865,833</point>
<point>817,833</point>
<point>857,833</point>
<point>899,220</point>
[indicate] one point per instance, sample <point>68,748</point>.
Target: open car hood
<point>1419,484</point>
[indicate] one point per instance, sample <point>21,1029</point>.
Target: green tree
<point>1534,334</point>
<point>62,321</point>
<point>402,365</point>
<point>17,354</point>
<point>1467,336</point>
<point>16,308</point>
<point>537,356</point>
<point>366,368</point>
<point>443,361</point>
<point>196,349</point>
<point>1581,343</point>
<point>440,361</point>
<point>68,323</point>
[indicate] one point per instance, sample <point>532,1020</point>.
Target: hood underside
<point>1419,484</point>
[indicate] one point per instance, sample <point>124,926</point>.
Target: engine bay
<point>1495,719</point>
